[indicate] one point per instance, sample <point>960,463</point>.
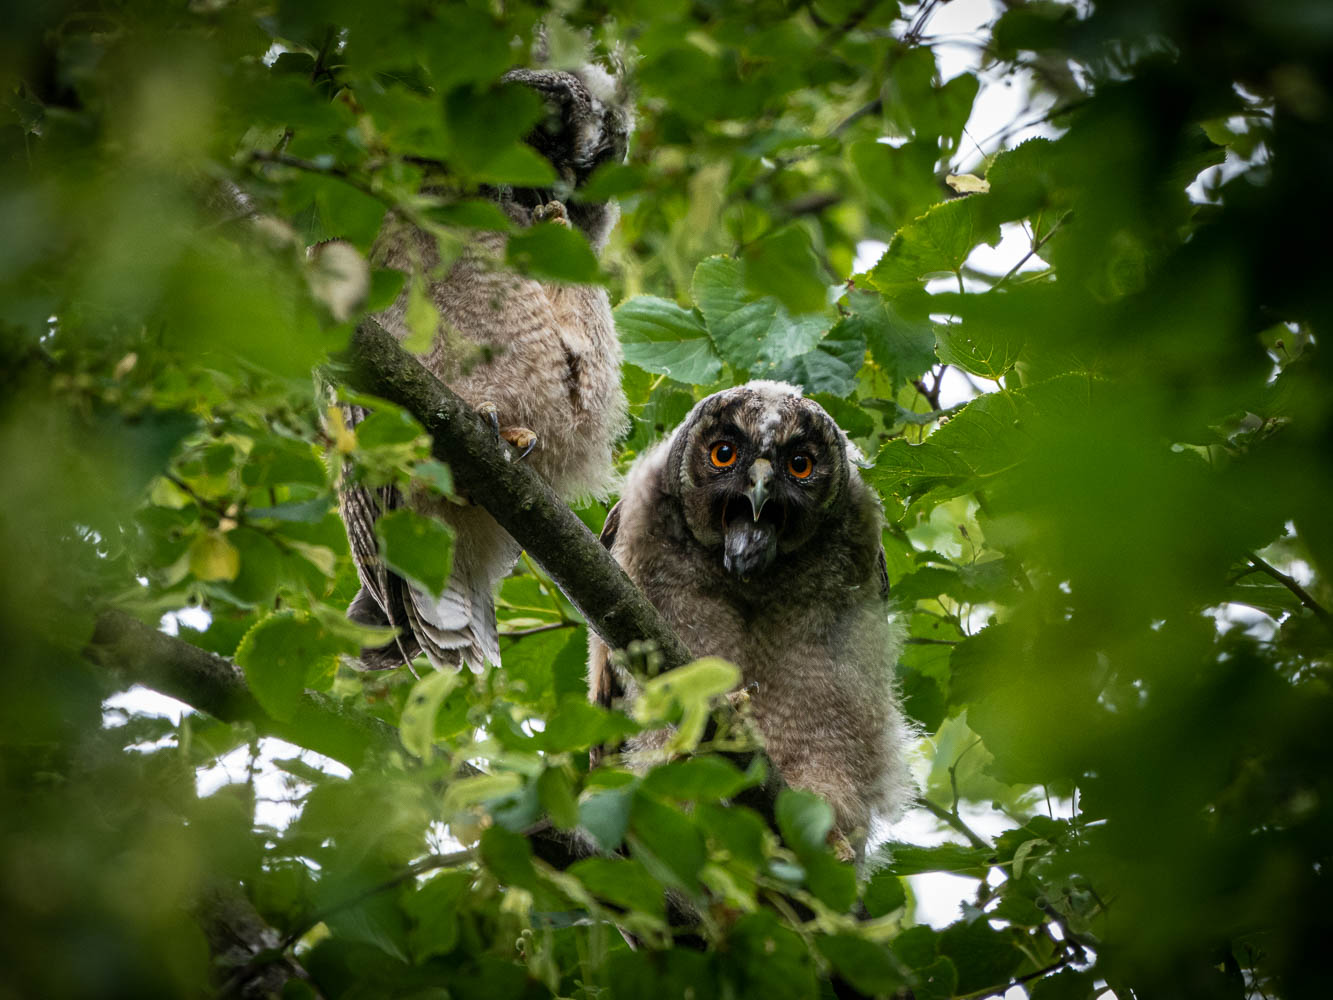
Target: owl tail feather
<point>458,627</point>
<point>366,610</point>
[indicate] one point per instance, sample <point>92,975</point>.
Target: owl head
<point>758,469</point>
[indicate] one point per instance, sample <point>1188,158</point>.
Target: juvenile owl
<point>539,359</point>
<point>751,530</point>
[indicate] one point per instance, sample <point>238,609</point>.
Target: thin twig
<point>1033,252</point>
<point>954,821</point>
<point>535,629</point>
<point>1291,584</point>
<point>991,991</point>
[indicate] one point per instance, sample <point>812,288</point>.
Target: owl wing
<point>610,526</point>
<point>882,568</point>
<point>456,627</point>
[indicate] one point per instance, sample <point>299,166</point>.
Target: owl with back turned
<point>539,360</point>
<point>751,530</point>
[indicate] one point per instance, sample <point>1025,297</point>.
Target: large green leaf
<point>284,653</point>
<point>752,334</point>
<point>659,336</point>
<point>934,246</point>
<point>420,548</point>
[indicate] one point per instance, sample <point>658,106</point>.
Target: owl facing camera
<point>751,530</point>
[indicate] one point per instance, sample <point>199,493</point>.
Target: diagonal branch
<point>1294,586</point>
<point>513,494</point>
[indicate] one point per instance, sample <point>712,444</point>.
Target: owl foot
<point>552,211</point>
<point>522,439</point>
<point>842,847</point>
<point>489,412</point>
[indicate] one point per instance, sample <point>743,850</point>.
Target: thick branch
<point>514,495</point>
<point>216,686</point>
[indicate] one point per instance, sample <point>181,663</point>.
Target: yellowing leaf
<point>967,183</point>
<point>417,725</point>
<point>212,557</point>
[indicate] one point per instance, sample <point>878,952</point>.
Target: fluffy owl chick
<point>540,359</point>
<point>751,530</point>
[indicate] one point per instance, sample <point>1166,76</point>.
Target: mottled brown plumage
<point>751,530</point>
<point>542,357</point>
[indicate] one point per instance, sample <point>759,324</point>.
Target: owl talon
<point>491,414</point>
<point>841,846</point>
<point>552,211</point>
<point>522,439</point>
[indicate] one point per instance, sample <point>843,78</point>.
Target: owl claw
<point>522,439</point>
<point>491,414</point>
<point>842,847</point>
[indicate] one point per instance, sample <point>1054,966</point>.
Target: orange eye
<point>723,454</point>
<point>800,466</point>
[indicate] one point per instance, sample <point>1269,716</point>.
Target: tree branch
<point>1291,584</point>
<point>216,686</point>
<point>519,499</point>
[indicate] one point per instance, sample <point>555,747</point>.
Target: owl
<point>751,530</point>
<point>540,360</point>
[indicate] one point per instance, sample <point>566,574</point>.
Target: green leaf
<point>904,349</point>
<point>909,859</point>
<point>310,511</point>
<point>699,778</point>
<point>553,251</point>
<point>622,881</point>
<point>784,266</point>
<point>883,894</point>
<point>739,831</point>
<point>260,569</point>
<point>987,353</point>
<point>1067,984</point>
<point>433,908</point>
<point>376,921</point>
<point>868,966</point>
<point>388,426</point>
<point>275,460</point>
<point>606,815</point>
<point>555,791</point>
<point>578,724</point>
<point>981,955</point>
<point>935,245</point>
<point>213,557</point>
<point>667,842</point>
<point>659,336</point>
<point>417,725</point>
<point>421,316</point>
<point>937,981</point>
<point>280,654</point>
<point>509,857</point>
<point>419,548</point>
<point>467,46</point>
<point>693,687</point>
<point>829,368</point>
<point>768,959</point>
<point>753,334</point>
<point>804,820</point>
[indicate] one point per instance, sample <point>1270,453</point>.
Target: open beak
<point>761,480</point>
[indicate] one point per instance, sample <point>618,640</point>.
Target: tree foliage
<point>1113,561</point>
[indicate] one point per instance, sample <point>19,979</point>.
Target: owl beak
<point>761,480</point>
